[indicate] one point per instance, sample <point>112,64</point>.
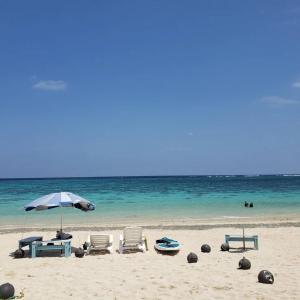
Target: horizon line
<point>144,176</point>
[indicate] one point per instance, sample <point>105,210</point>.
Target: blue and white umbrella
<point>62,199</point>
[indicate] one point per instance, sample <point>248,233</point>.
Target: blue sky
<point>103,88</point>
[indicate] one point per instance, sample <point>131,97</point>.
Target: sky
<point>116,88</point>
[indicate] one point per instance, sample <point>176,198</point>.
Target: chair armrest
<point>88,239</point>
<point>111,238</point>
<point>121,238</point>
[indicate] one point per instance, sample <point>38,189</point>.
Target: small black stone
<point>79,252</point>
<point>225,247</point>
<point>19,253</point>
<point>205,248</point>
<point>7,291</point>
<point>85,246</point>
<point>266,276</point>
<point>244,264</point>
<point>192,258</point>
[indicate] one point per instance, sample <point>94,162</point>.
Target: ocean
<point>161,198</point>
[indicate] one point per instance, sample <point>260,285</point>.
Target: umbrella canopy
<point>62,199</point>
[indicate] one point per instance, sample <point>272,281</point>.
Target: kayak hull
<point>166,248</point>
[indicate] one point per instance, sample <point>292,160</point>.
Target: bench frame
<point>240,238</point>
<point>64,245</point>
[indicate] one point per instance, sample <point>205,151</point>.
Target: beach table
<point>51,245</point>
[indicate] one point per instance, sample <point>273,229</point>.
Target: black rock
<point>205,248</point>
<point>19,253</point>
<point>246,204</point>
<point>244,264</point>
<point>266,276</point>
<point>225,247</point>
<point>192,258</point>
<point>79,252</point>
<point>7,291</point>
<point>85,246</point>
<point>251,204</point>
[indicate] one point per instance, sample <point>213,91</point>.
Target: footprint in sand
<point>222,288</point>
<point>11,274</point>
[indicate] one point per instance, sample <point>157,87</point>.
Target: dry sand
<point>155,276</point>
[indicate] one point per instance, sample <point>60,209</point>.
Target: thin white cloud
<point>50,85</point>
<point>33,78</point>
<point>296,84</point>
<point>276,101</point>
<point>190,133</point>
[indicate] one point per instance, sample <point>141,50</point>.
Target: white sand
<point>155,276</point>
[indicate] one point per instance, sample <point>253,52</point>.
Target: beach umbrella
<point>62,199</point>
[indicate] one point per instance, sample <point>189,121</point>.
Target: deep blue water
<point>156,197</point>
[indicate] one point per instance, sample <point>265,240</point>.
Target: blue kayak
<point>166,244</point>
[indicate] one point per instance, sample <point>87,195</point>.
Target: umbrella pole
<point>61,217</point>
<point>244,246</point>
<point>61,222</point>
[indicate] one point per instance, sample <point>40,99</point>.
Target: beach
<point>193,210</point>
<point>160,125</point>
<point>152,275</point>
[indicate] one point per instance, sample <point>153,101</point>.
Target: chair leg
<point>120,247</point>
<point>144,248</point>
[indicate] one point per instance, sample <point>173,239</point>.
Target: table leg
<point>33,251</point>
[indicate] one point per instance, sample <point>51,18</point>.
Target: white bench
<point>241,238</point>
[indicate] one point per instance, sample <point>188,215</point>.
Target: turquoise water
<point>162,198</point>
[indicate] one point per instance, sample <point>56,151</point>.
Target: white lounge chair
<point>132,239</point>
<point>100,242</point>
